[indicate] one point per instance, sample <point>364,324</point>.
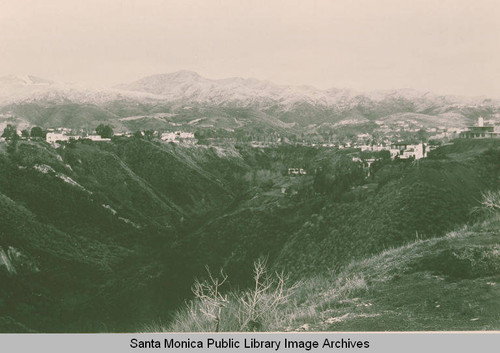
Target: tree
<point>25,133</point>
<point>149,134</point>
<point>10,132</point>
<point>199,134</point>
<point>320,182</point>
<point>105,131</point>
<point>37,132</point>
<point>335,177</point>
<point>422,135</point>
<point>12,146</point>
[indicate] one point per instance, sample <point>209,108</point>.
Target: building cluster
<point>381,138</point>
<point>403,150</point>
<point>65,136</point>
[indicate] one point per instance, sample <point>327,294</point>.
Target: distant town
<point>405,139</point>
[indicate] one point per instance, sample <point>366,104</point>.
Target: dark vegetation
<point>105,131</point>
<point>437,284</point>
<point>109,236</point>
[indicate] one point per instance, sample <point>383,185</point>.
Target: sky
<point>443,46</point>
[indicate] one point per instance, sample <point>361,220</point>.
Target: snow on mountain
<point>32,89</point>
<point>189,86</point>
<point>21,86</point>
<point>25,80</point>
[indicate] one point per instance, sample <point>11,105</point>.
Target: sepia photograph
<point>249,166</point>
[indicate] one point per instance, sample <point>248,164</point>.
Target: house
<point>296,171</point>
<point>481,130</point>
<point>362,137</point>
<point>97,138</point>
<point>53,137</point>
<point>178,136</point>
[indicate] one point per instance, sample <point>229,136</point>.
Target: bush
<point>262,302</point>
<point>256,309</point>
<point>211,300</point>
<point>491,201</point>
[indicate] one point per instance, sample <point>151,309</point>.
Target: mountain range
<point>48,103</point>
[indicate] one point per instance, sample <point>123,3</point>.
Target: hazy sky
<point>446,46</point>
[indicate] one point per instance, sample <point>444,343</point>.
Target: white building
<point>53,137</point>
<point>97,138</point>
<point>296,171</point>
<point>177,136</point>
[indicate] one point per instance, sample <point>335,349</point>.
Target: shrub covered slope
<point>109,236</point>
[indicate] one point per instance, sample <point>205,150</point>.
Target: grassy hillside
<point>444,283</point>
